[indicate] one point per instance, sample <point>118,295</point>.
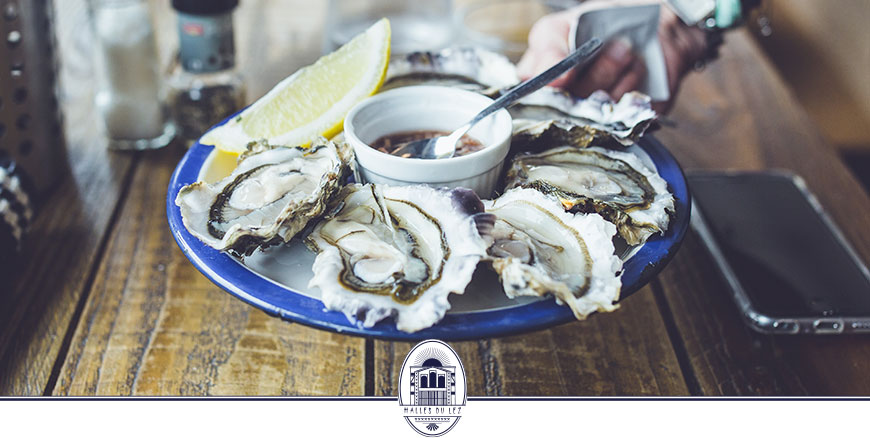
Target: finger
<point>550,33</point>
<point>540,61</point>
<point>672,66</point>
<point>681,46</point>
<point>606,70</point>
<point>631,80</point>
<point>534,62</point>
<point>673,57</point>
<point>527,67</point>
<point>690,40</point>
<point>662,107</point>
<point>548,44</point>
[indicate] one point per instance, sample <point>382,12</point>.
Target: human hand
<point>617,69</point>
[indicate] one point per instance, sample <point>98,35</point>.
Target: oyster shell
<point>614,184</point>
<point>539,249</point>
<point>270,196</point>
<point>549,114</point>
<point>535,136</point>
<point>490,73</point>
<point>399,251</point>
<point>469,68</point>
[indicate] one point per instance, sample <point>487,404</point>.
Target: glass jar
<point>415,26</point>
<point>205,85</point>
<point>129,95</point>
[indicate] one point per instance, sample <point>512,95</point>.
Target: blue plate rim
<point>281,301</point>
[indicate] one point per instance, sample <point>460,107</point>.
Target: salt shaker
<point>129,97</point>
<point>205,86</point>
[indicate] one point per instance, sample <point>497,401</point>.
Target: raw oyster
<point>534,136</point>
<point>399,251</point>
<point>489,73</point>
<point>270,196</point>
<point>539,249</point>
<point>469,68</point>
<point>614,184</point>
<point>549,114</point>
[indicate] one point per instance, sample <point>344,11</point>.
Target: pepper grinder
<point>205,86</point>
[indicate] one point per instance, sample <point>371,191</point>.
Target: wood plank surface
<point>154,325</point>
<point>627,352</point>
<point>726,356</point>
<point>107,304</point>
<point>62,255</point>
<point>66,238</point>
<point>738,114</point>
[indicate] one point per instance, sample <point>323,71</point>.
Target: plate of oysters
<point>585,210</point>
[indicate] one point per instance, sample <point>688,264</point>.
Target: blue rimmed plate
<point>276,280</point>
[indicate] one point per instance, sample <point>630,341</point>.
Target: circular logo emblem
<point>432,388</point>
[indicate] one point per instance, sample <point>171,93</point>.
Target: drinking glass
<point>415,26</point>
<point>503,25</point>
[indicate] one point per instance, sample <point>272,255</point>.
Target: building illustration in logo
<point>433,384</point>
<point>432,388</point>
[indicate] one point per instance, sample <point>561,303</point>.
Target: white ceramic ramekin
<point>428,108</point>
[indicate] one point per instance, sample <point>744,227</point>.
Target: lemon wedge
<point>314,100</point>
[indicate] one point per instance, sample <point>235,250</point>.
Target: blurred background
<point>821,48</point>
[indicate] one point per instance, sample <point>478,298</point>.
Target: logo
<point>432,388</point>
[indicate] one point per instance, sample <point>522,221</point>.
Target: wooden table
<point>105,302</point>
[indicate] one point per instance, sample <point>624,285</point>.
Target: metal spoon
<point>445,146</point>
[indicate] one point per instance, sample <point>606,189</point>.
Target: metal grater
<point>31,131</point>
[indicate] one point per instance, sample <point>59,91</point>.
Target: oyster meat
<point>397,251</point>
<point>614,184</point>
<point>270,196</point>
<point>539,249</point>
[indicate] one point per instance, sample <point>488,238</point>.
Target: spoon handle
<point>575,58</point>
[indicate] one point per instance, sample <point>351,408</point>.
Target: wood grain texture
<point>627,352</point>
<point>63,245</point>
<point>151,324</point>
<point>739,115</point>
<point>154,325</point>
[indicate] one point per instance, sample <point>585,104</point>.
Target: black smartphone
<point>788,265</point>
